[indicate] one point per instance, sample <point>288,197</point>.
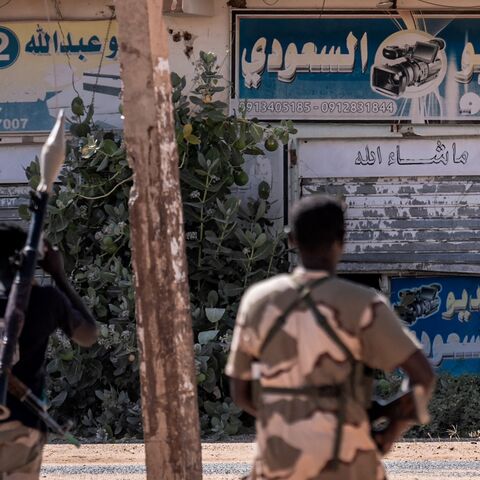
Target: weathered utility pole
<point>169,394</point>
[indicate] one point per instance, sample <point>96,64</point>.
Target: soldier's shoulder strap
<point>322,322</point>
<point>303,291</point>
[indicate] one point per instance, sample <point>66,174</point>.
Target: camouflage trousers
<point>337,476</point>
<point>21,451</point>
<point>363,469</point>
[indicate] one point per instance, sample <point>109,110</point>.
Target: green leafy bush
<point>230,245</point>
<point>455,408</point>
<point>88,220</point>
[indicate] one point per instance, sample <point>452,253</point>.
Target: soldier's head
<point>12,240</point>
<point>318,231</point>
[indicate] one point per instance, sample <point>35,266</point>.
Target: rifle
<point>51,161</point>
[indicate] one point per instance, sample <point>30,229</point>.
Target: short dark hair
<point>12,240</point>
<point>317,221</point>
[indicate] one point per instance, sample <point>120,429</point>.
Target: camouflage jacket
<point>295,432</point>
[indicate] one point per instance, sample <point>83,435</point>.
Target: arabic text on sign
<point>287,64</point>
<point>372,156</point>
<point>42,43</point>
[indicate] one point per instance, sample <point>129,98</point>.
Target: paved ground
<point>228,461</point>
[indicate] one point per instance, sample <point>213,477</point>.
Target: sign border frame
<point>235,14</point>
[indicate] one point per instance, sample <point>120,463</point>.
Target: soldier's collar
<point>302,272</point>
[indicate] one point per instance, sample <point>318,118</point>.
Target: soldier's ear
<point>337,250</point>
<point>292,241</point>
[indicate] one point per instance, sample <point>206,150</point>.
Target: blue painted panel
<point>437,87</point>
<point>444,314</point>
<point>44,66</point>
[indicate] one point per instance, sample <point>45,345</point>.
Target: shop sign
<point>392,157</point>
<point>444,314</point>
<point>305,66</point>
<point>43,66</point>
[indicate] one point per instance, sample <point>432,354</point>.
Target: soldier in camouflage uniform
<point>303,336</point>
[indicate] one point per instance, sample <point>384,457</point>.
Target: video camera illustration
<point>419,302</point>
<point>419,64</point>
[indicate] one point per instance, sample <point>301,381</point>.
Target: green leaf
<point>67,356</point>
<point>257,132</point>
<point>261,210</point>
<point>58,400</point>
<point>187,130</point>
<point>254,151</point>
<point>175,79</point>
<point>193,140</point>
<point>207,336</point>
<point>214,315</point>
<point>24,212</point>
<point>202,161</point>
<point>244,240</point>
<point>212,299</point>
<point>196,100</point>
<point>104,164</point>
<point>261,239</point>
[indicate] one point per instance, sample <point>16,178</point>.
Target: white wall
<point>44,9</point>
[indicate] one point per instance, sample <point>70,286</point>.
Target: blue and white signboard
<point>444,314</point>
<point>338,67</point>
<point>44,66</point>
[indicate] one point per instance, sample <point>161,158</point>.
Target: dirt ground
<point>241,453</point>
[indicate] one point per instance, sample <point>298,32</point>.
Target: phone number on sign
<point>323,107</point>
<point>13,123</point>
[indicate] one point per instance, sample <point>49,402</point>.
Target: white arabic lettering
<point>470,64</point>
<point>453,305</point>
<point>453,348</point>
<point>364,52</point>
<point>252,71</point>
<point>287,64</point>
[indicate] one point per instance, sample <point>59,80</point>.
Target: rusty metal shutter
<point>11,197</point>
<point>408,223</point>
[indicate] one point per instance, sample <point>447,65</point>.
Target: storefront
<point>387,119</point>
<point>387,122</point>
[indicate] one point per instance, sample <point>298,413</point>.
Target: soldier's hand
<point>52,261</point>
<point>390,435</point>
<point>384,441</point>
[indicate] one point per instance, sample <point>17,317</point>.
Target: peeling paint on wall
<point>411,222</point>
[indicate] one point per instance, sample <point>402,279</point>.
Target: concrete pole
<point>169,393</point>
